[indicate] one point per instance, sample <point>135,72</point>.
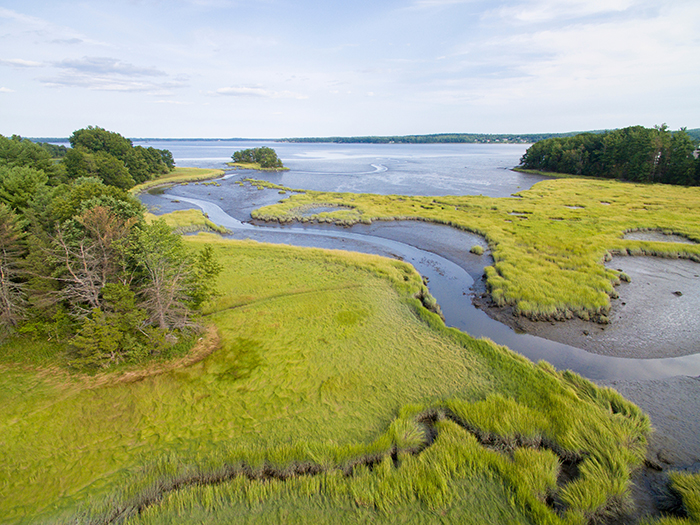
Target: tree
<point>172,281</point>
<point>17,151</point>
<point>266,157</point>
<point>12,294</point>
<point>113,333</point>
<point>88,252</point>
<point>635,153</point>
<point>19,185</point>
<point>93,145</point>
<point>165,268</point>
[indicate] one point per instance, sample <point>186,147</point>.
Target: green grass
<point>187,221</point>
<point>327,361</point>
<point>548,244</point>
<point>178,176</point>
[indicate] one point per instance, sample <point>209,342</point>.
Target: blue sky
<point>283,68</point>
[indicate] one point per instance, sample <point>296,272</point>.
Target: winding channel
<point>450,284</point>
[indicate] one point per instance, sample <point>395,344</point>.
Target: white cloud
<point>257,92</point>
<point>428,4</point>
<point>534,11</point>
<point>20,62</point>
<point>108,66</point>
<point>6,90</point>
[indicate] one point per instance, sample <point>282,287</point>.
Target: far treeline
<point>635,154</point>
<point>79,264</point>
<point>440,138</point>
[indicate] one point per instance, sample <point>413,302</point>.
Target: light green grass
<point>186,221</point>
<point>178,176</point>
<point>548,244</point>
<point>326,358</point>
<point>253,166</point>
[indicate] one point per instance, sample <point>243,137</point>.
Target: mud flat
<point>657,314</point>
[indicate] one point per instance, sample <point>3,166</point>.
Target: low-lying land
<point>178,176</point>
<point>548,243</point>
<point>333,395</point>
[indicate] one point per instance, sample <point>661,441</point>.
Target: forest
<point>635,154</point>
<point>79,263</point>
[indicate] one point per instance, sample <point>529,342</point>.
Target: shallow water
<point>402,169</point>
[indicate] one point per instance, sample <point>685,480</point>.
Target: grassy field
<point>331,395</point>
<point>548,243</point>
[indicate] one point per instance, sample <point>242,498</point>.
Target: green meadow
<point>327,392</point>
<point>548,243</point>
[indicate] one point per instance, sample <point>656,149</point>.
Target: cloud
<point>537,11</point>
<point>69,41</point>
<point>428,4</point>
<point>108,66</point>
<point>6,90</point>
<point>109,83</point>
<point>110,74</point>
<point>257,92</point>
<point>19,62</point>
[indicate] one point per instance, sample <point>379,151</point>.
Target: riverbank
<point>178,176</point>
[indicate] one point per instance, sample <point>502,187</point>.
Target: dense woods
<point>78,262</point>
<point>634,154</point>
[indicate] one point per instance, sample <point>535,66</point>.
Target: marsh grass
<point>548,244</point>
<point>178,176</point>
<point>187,221</point>
<point>334,395</point>
<point>252,166</point>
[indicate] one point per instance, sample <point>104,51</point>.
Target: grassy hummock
<point>333,395</point>
<point>548,243</point>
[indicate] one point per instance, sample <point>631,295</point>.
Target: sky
<point>298,68</point>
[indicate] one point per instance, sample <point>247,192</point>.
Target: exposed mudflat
<point>657,314</point>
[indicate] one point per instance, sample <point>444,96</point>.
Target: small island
<point>263,158</point>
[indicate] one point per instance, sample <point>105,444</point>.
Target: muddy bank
<point>656,315</point>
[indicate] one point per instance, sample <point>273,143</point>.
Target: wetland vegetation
<point>331,391</point>
<point>548,243</point>
<point>317,384</point>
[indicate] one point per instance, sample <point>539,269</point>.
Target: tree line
<point>635,153</point>
<point>439,138</point>
<point>78,262</point>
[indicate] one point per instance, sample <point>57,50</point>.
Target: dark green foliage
<point>55,150</point>
<point>79,163</point>
<point>77,262</point>
<point>634,154</point>
<point>17,151</point>
<point>171,280</point>
<point>266,157</point>
<point>113,334</point>
<point>128,166</point>
<point>19,184</point>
